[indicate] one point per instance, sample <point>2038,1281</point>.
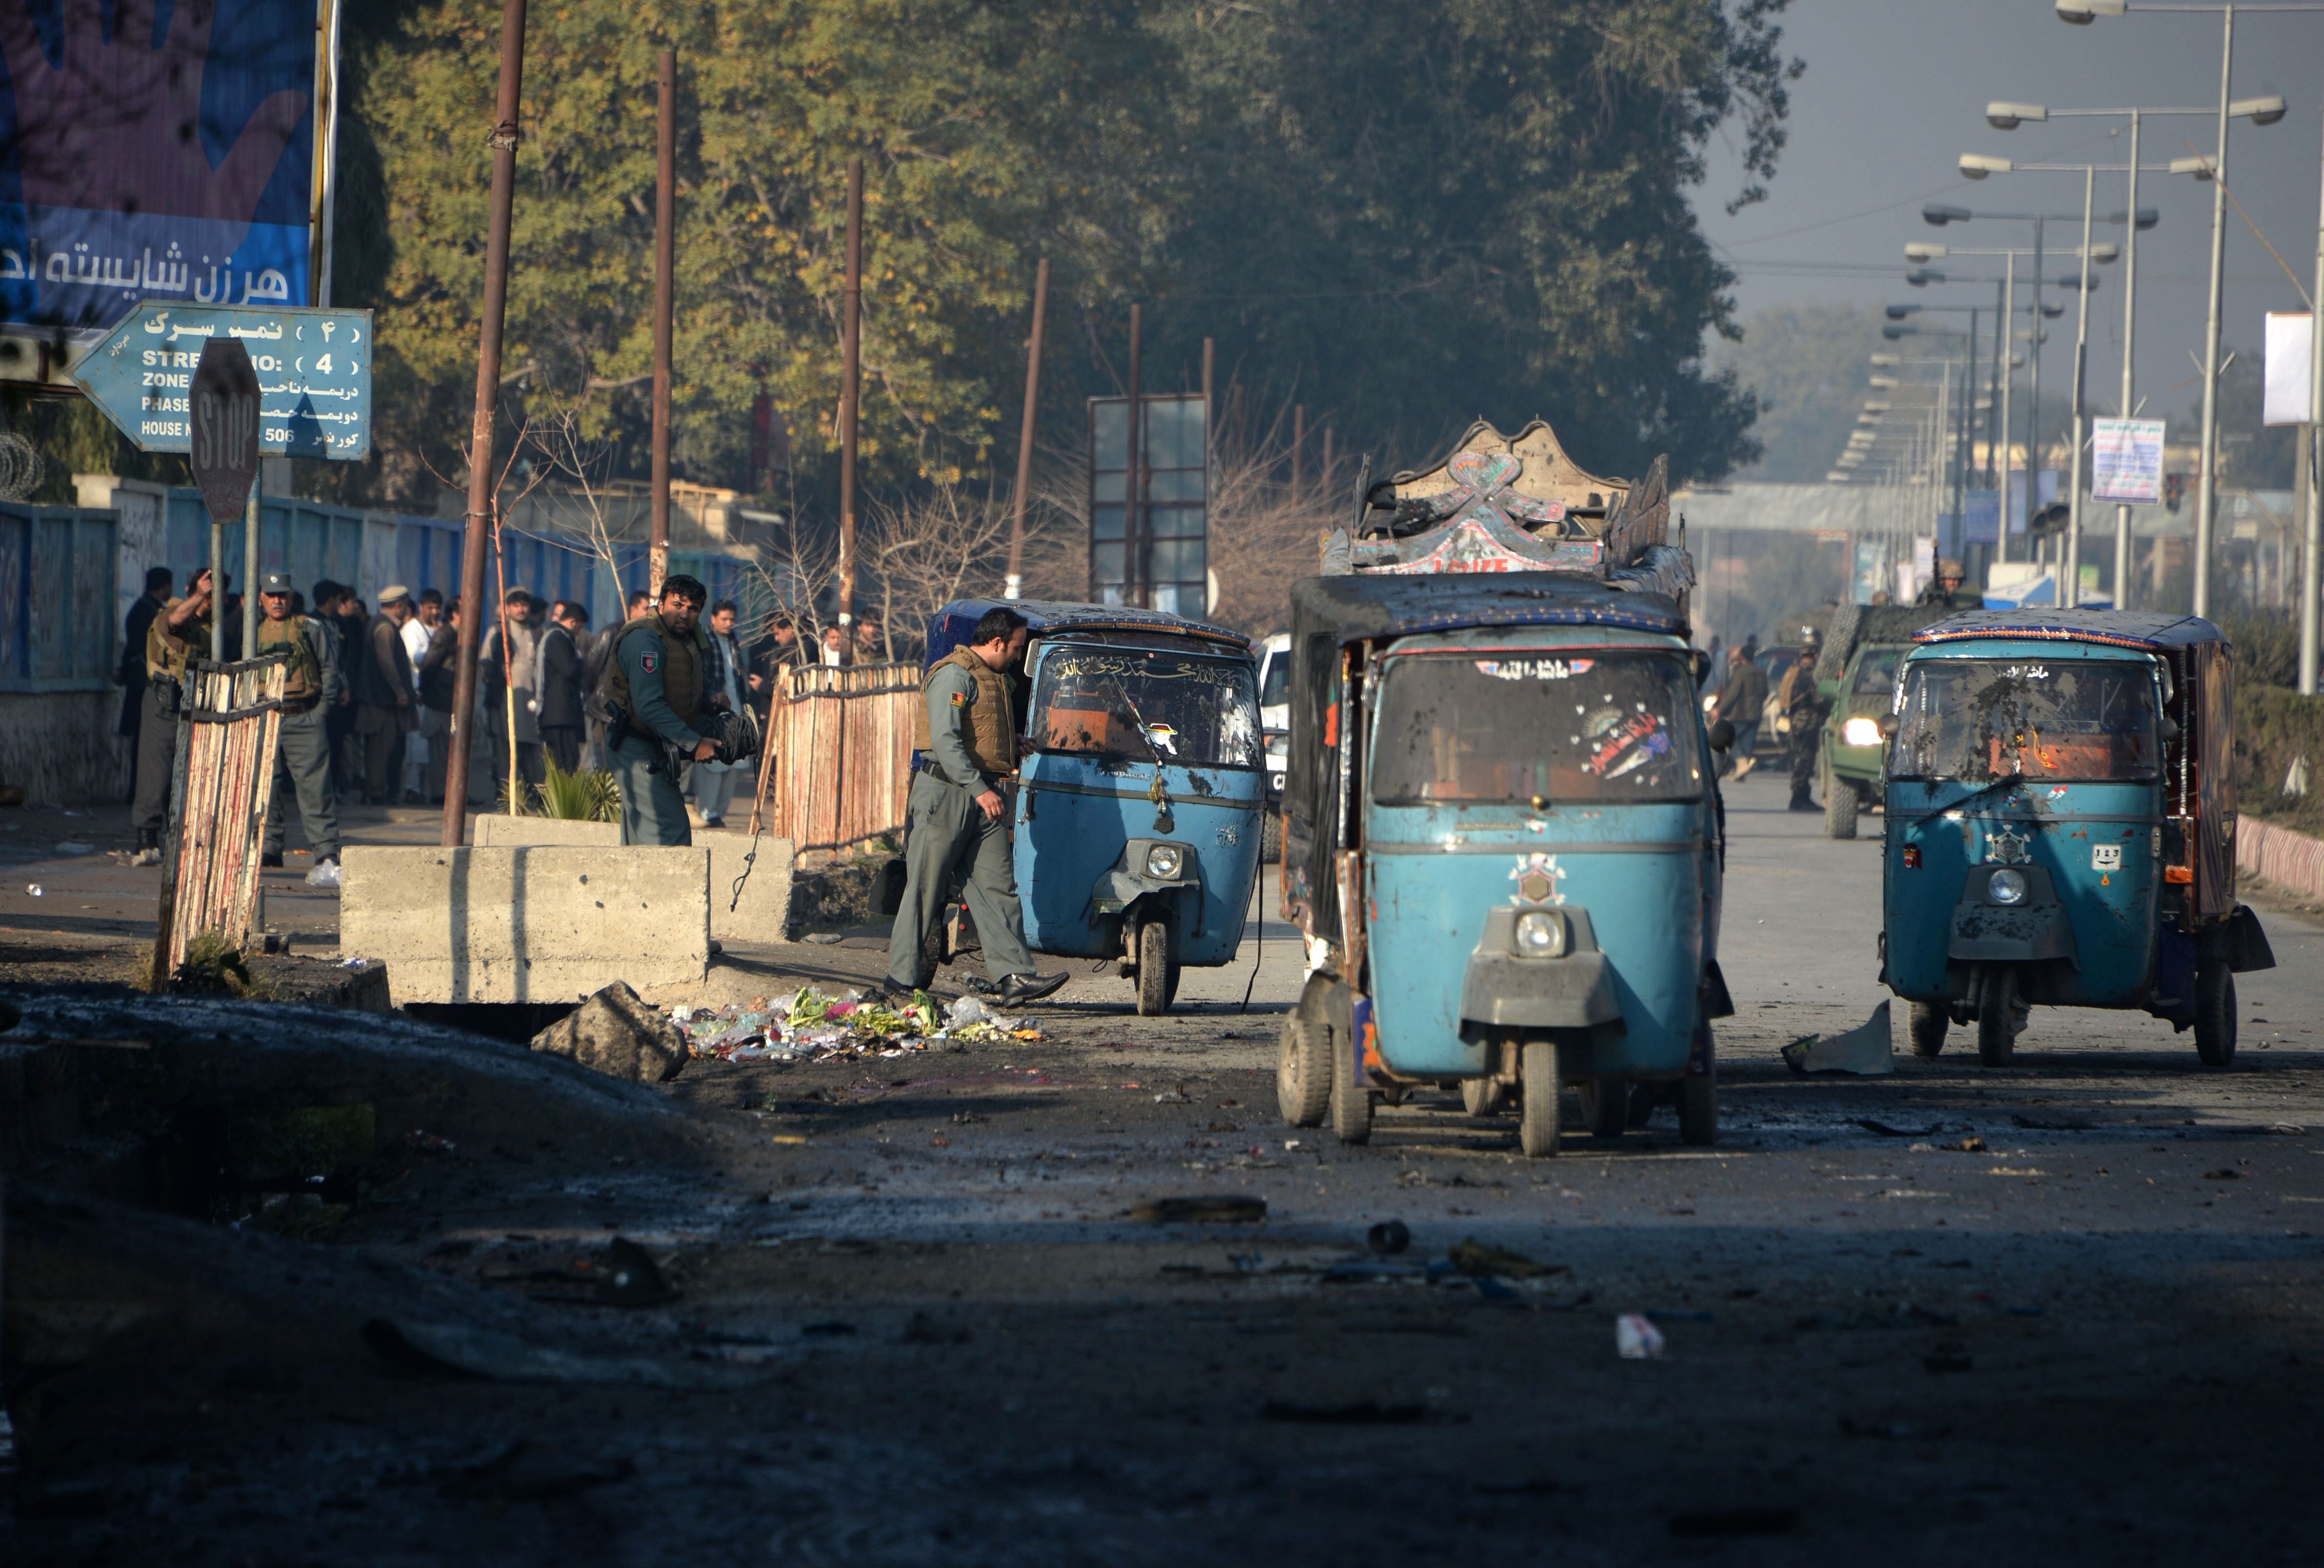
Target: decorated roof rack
<point>1501,503</point>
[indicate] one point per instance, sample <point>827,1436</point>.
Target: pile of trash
<point>808,1025</point>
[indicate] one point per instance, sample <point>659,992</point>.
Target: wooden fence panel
<point>228,718</point>
<point>842,762</point>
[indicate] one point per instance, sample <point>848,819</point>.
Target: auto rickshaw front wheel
<point>2215,1012</point>
<point>1482,1097</point>
<point>1539,1098</point>
<point>1158,968</point>
<point>1997,1016</point>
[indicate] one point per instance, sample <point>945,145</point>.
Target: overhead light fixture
<point>2010,117</point>
<point>2264,111</point>
<point>1899,312</point>
<point>2200,168</point>
<point>1939,214</point>
<point>1977,165</point>
<point>1887,359</point>
<point>1885,381</point>
<point>1921,251</point>
<point>2082,12</point>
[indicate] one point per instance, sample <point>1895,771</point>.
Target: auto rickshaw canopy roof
<point>951,627</point>
<point>1365,605</point>
<point>2149,631</point>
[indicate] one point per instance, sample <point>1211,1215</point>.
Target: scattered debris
<point>325,874</point>
<point>614,1032</point>
<point>1387,1238</point>
<point>1971,1145</point>
<point>479,1352</point>
<point>1885,1131</point>
<point>631,1277</point>
<point>1205,1211</point>
<point>33,888</point>
<point>1636,1339</point>
<point>809,1025</point>
<point>1478,1260</point>
<point>2225,1173</point>
<point>1865,1051</point>
<point>68,847</point>
<point>822,938</point>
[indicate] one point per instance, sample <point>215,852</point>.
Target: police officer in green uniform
<point>303,747</point>
<point>655,682</point>
<point>177,635</point>
<point>967,743</point>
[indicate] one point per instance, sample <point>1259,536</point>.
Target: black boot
<point>1800,802</point>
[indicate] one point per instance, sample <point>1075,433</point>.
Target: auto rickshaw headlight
<point>1860,732</point>
<point>1165,861</point>
<point>2006,886</point>
<point>1540,935</point>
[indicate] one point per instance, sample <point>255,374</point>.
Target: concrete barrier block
<point>549,923</point>
<point>493,830</point>
<point>766,895</point>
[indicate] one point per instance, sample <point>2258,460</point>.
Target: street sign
<point>313,376</point>
<point>223,414</point>
<point>2126,460</point>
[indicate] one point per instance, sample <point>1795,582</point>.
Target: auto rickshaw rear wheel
<point>2215,1012</point>
<point>1158,968</point>
<point>1606,1107</point>
<point>1539,1098</point>
<point>1270,838</point>
<point>1303,1072</point>
<point>1482,1097</point>
<point>1698,1094</point>
<point>1997,1016</point>
<point>1351,1107</point>
<point>1925,1022</point>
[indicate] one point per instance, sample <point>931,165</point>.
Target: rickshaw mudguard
<point>2033,931</point>
<point>1500,990</point>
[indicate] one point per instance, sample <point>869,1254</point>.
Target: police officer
<point>1803,708</point>
<point>654,684</point>
<point>180,633</point>
<point>967,744</point>
<point>303,747</point>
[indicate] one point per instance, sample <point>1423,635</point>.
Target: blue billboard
<point>154,152</point>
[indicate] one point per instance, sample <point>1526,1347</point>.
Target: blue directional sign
<point>313,376</point>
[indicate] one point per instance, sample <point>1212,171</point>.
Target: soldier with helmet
<point>311,685</point>
<point>654,701</point>
<point>1803,709</point>
<point>1945,589</point>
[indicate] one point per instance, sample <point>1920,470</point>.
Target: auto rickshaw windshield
<point>1194,711</point>
<point>1981,719</point>
<point>1555,727</point>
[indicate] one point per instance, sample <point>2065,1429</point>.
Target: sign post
<point>222,428</point>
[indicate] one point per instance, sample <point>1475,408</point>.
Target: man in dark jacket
<point>1740,701</point>
<point>558,692</point>
<point>131,676</point>
<point>439,677</point>
<point>383,705</point>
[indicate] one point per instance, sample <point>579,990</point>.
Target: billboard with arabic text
<point>154,152</point>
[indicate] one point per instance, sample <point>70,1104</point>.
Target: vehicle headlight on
<point>1860,732</point>
<point>1166,861</point>
<point>2006,886</point>
<point>1540,935</point>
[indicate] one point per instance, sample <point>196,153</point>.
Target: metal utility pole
<point>1298,454</point>
<point>1015,586</point>
<point>2034,395</point>
<point>1210,382</point>
<point>850,382</point>
<point>1962,454</point>
<point>1133,493</point>
<point>2069,587</point>
<point>1993,406</point>
<point>2207,486</point>
<point>2312,453</point>
<point>480,443</point>
<point>2129,324</point>
<point>665,310</point>
<point>2001,462</point>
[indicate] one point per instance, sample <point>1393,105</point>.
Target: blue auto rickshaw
<point>1137,816</point>
<point>1503,842</point>
<point>2061,819</point>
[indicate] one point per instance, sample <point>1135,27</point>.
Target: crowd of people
<point>370,693</point>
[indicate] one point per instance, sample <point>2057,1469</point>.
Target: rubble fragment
<point>614,1032</point>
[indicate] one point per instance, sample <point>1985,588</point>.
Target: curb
<point>2290,860</point>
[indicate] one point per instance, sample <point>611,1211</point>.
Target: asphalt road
<point>2062,1312</point>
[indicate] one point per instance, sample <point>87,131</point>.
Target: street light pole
<point>2207,486</point>
<point>2069,590</point>
<point>2033,393</point>
<point>2009,326</point>
<point>2312,556</point>
<point>2129,330</point>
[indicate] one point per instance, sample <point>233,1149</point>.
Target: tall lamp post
<point>2264,111</point>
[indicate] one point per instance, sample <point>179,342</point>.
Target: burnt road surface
<point>2066,1311</point>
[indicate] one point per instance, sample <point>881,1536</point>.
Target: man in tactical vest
<point>179,633</point>
<point>303,748</point>
<point>653,701</point>
<point>967,742</point>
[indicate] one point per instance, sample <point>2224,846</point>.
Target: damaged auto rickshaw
<point>1502,842</point>
<point>2061,819</point>
<point>1136,821</point>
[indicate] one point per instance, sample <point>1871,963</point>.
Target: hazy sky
<point>1895,91</point>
